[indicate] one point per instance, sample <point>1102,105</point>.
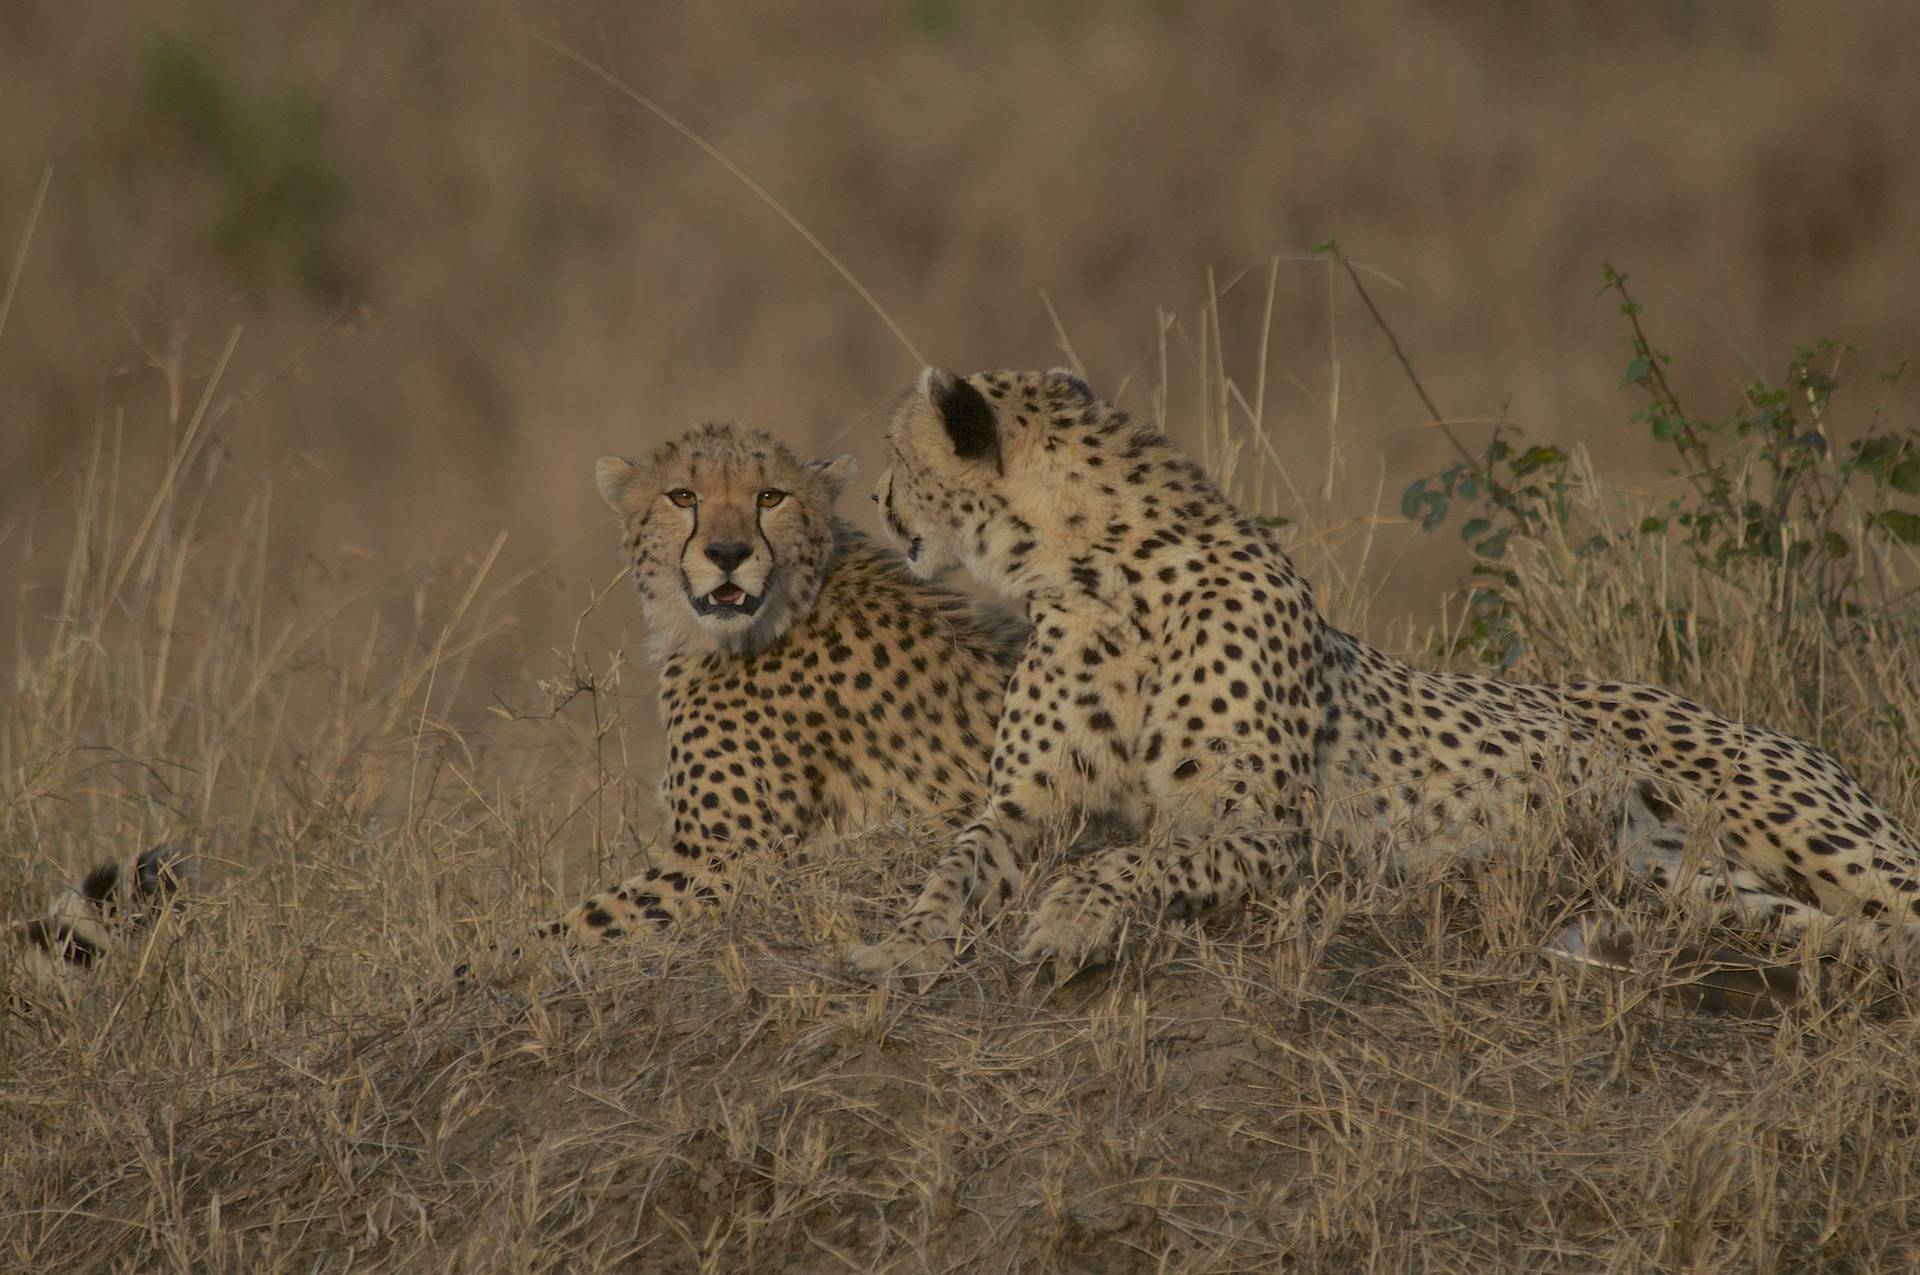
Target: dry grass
<point>223,635</point>
<point>1377,1074</point>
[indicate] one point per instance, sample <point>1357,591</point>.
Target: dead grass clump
<point>1358,1081</point>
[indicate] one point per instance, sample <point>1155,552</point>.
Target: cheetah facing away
<point>807,679</point>
<point>1178,673</point>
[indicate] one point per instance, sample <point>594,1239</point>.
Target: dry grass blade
<point>741,175</point>
<point>19,266</point>
<point>165,491</point>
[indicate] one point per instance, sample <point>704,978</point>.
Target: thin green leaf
<point>1902,526</point>
<point>1414,499</point>
<point>1905,477</point>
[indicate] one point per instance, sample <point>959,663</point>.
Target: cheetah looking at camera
<point>1178,673</point>
<point>807,679</point>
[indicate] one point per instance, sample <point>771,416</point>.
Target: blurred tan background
<point>463,267</point>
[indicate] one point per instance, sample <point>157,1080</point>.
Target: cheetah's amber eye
<point>682,497</point>
<point>771,497</point>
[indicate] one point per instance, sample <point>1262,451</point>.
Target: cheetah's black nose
<point>728,554</point>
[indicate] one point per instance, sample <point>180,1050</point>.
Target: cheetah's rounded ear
<point>615,476</point>
<point>965,412</point>
<point>836,472</point>
<point>1074,381</point>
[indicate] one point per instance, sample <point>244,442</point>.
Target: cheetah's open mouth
<point>728,599</point>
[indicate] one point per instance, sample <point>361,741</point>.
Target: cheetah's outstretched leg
<point>652,898</point>
<point>1654,851</point>
<point>649,900</point>
<point>986,866</point>
<point>1704,976</point>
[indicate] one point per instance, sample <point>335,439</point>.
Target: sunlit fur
<point>726,470</point>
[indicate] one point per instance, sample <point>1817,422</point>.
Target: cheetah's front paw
<point>1073,927</point>
<point>902,956</point>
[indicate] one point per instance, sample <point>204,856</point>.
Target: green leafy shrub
<point>1772,501</point>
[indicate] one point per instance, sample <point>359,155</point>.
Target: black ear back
<point>967,415</point>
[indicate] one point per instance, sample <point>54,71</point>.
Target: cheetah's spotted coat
<point>1179,673</point>
<point>807,680</point>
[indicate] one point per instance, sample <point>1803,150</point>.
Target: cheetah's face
<point>729,535</point>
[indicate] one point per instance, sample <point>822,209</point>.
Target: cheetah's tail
<point>110,899</point>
